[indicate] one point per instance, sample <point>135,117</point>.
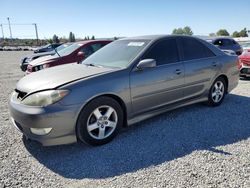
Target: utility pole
<point>9,28</point>
<point>2,30</point>
<point>37,42</point>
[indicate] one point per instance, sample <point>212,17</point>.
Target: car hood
<point>56,76</point>
<point>41,54</point>
<point>42,60</point>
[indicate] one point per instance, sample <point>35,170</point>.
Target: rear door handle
<point>178,71</point>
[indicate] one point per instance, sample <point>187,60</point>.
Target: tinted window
<point>218,42</point>
<point>163,52</point>
<point>194,49</point>
<point>97,46</point>
<point>226,42</point>
<point>234,42</point>
<point>88,50</point>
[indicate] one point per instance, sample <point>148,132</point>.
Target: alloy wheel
<point>102,122</point>
<point>218,91</point>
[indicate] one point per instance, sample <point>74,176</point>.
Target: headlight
<point>44,98</point>
<point>44,66</point>
<point>28,60</point>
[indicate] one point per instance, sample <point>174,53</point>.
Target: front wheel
<point>100,121</point>
<point>217,92</point>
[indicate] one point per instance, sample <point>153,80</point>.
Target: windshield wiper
<point>57,52</point>
<point>91,64</point>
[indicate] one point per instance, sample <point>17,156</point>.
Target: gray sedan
<point>125,82</point>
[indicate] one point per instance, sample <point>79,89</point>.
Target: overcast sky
<point>111,18</point>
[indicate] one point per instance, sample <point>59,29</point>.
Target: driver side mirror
<point>146,63</point>
<point>81,54</point>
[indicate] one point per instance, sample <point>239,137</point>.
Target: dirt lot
<point>196,146</point>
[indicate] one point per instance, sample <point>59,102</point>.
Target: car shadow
<point>152,142</point>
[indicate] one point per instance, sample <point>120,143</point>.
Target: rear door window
<point>218,42</point>
<point>90,49</point>
<point>97,46</point>
<point>164,52</point>
<point>227,42</point>
<point>194,49</point>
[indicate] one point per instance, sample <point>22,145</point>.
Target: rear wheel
<point>217,92</point>
<point>100,121</point>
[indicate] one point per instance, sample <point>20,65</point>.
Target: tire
<point>216,96</point>
<point>99,121</point>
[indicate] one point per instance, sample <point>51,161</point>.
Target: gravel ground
<point>195,146</point>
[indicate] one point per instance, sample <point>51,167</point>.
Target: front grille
<point>244,71</point>
<point>20,94</point>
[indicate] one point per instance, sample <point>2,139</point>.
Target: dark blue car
<point>226,43</point>
<point>46,48</point>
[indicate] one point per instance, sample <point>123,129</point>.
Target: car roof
<point>89,41</point>
<point>156,37</point>
<point>218,37</point>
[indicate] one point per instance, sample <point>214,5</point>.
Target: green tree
<point>178,31</point>
<point>55,39</point>
<point>183,31</point>
<point>71,37</point>
<point>222,32</point>
<point>93,37</point>
<point>236,34</point>
<point>50,41</point>
<point>187,31</point>
<point>115,38</point>
<point>243,33</point>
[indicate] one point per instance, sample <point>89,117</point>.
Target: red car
<point>245,64</point>
<point>74,53</point>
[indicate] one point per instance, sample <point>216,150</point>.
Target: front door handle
<point>178,71</point>
<point>214,64</point>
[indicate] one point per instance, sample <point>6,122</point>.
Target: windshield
<point>68,50</point>
<point>117,54</point>
<point>62,47</point>
<point>45,46</point>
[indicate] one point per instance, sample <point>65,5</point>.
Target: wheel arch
<point>226,80</point>
<point>110,95</point>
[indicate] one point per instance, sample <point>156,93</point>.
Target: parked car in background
<point>74,53</point>
<point>125,82</point>
<point>26,60</point>
<point>226,43</point>
<point>245,64</point>
<point>46,48</point>
<point>246,46</point>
